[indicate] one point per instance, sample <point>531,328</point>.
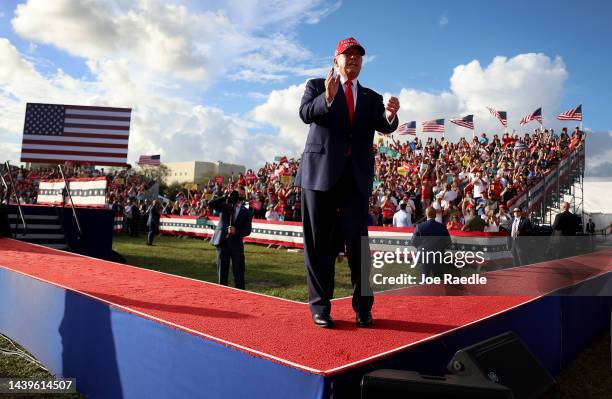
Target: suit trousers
<point>517,250</point>
<point>153,231</point>
<point>234,251</point>
<point>332,220</point>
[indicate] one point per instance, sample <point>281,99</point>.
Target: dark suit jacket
<point>226,211</point>
<point>431,235</point>
<point>565,224</point>
<point>134,211</point>
<point>331,134</point>
<point>153,219</point>
<point>525,228</point>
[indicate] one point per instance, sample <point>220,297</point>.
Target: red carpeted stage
<point>269,329</point>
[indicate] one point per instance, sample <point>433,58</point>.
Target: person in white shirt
<point>402,218</point>
<point>479,186</point>
<point>438,188</point>
<point>391,197</point>
<point>437,205</point>
<point>271,214</point>
<point>410,206</point>
<point>449,194</point>
<point>504,218</point>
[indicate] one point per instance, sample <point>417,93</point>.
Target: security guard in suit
<point>234,224</point>
<point>431,236</point>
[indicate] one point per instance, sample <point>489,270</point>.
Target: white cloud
<point>169,39</point>
<point>172,126</point>
<point>517,85</point>
<point>146,54</point>
<point>316,15</point>
<point>599,154</point>
<point>140,56</point>
<point>281,111</point>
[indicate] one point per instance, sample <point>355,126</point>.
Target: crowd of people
<point>122,184</point>
<point>468,183</point>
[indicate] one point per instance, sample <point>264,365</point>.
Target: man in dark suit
<point>520,228</point>
<point>566,223</point>
<point>336,174</point>
<point>590,227</point>
<point>564,227</point>
<point>134,220</point>
<point>431,236</point>
<point>153,221</point>
<point>234,224</point>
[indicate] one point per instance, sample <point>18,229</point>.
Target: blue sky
<point>272,47</point>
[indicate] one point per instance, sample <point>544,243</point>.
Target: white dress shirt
<point>515,226</point>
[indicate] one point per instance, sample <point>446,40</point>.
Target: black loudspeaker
<point>505,360</point>
<point>396,384</point>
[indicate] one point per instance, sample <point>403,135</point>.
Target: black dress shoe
<point>323,321</point>
<point>363,319</point>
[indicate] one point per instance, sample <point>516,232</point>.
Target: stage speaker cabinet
<point>504,360</point>
<point>396,384</point>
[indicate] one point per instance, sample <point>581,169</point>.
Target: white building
<point>200,172</point>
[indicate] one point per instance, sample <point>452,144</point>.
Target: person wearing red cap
<point>336,176</point>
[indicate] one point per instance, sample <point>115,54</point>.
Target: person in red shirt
<point>426,193</point>
<point>454,223</point>
<point>388,210</point>
<point>242,180</point>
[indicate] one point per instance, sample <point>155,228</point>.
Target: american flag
<point>466,121</point>
<point>434,126</point>
<point>77,134</point>
<point>407,128</point>
<point>500,115</point>
<point>574,114</point>
<point>153,160</point>
<point>537,115</point>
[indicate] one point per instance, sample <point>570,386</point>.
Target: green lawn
<point>270,271</point>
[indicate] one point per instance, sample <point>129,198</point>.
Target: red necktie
<point>350,103</point>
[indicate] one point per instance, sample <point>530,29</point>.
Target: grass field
<point>270,271</point>
<point>276,272</point>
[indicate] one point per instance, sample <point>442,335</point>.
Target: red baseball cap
<point>347,43</point>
